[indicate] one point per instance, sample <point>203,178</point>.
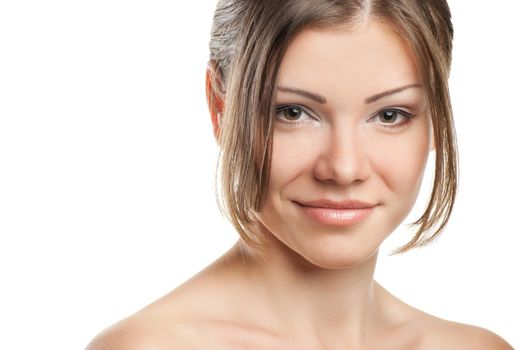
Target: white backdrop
<point>107,160</point>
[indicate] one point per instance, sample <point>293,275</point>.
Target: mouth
<point>331,204</point>
<point>336,213</point>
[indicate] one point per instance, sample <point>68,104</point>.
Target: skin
<point>316,290</point>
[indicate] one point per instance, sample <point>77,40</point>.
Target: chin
<point>337,258</point>
<point>334,249</point>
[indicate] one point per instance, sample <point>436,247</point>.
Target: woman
<point>325,112</point>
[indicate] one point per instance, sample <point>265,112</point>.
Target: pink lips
<point>336,213</point>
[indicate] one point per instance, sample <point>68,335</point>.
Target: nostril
<point>342,167</point>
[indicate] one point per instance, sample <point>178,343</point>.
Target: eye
<point>388,118</point>
<point>292,114</point>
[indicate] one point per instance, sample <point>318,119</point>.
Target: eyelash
<point>408,116</point>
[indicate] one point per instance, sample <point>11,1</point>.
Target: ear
<point>214,100</point>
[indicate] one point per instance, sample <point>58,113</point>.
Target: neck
<point>305,299</point>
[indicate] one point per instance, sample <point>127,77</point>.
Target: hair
<point>248,41</point>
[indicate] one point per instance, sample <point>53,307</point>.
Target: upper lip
<point>345,204</point>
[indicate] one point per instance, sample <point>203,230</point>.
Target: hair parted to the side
<point>248,41</point>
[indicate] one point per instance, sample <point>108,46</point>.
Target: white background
<point>107,166</point>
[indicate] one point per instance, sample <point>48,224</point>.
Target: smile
<point>336,216</point>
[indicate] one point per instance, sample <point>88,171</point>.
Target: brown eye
<point>388,116</point>
<point>292,113</point>
<point>393,118</point>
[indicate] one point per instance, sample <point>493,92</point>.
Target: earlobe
<point>214,101</point>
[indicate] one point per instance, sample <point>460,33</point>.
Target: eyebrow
<point>376,97</point>
<point>321,99</point>
<point>310,95</point>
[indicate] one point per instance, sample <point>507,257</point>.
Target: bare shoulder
<point>434,333</point>
<point>181,319</point>
<point>443,334</point>
<point>144,333</point>
<point>175,321</point>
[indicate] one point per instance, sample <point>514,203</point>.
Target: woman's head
<point>251,39</point>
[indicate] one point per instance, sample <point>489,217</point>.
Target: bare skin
<point>316,288</point>
<point>217,309</point>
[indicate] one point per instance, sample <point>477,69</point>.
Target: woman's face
<point>352,124</point>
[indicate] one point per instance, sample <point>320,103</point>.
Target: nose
<point>343,159</point>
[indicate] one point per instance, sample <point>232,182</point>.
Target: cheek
<point>401,163</point>
<point>291,157</point>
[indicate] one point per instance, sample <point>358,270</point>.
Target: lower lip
<point>336,217</point>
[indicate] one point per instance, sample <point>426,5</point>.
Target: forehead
<point>359,60</point>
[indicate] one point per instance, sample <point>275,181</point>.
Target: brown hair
<point>248,41</point>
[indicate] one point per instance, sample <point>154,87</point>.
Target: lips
<point>331,204</point>
<point>336,213</point>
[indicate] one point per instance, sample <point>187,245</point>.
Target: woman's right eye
<point>291,114</point>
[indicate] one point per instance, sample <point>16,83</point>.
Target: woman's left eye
<point>389,118</point>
